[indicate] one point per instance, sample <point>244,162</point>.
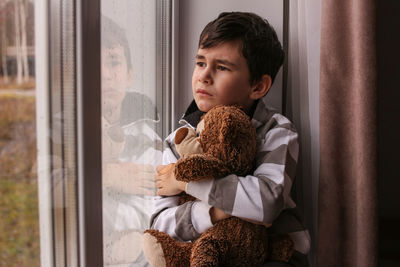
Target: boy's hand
<point>129,178</point>
<point>216,215</point>
<point>166,183</point>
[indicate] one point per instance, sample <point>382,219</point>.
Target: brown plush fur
<point>229,145</point>
<point>228,141</point>
<point>175,253</point>
<point>231,242</point>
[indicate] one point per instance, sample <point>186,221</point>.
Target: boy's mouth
<point>202,92</point>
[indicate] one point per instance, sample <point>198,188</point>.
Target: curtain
<point>347,220</point>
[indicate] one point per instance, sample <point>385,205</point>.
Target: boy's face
<point>222,76</point>
<point>116,77</point>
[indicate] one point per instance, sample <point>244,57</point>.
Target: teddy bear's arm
<point>186,142</point>
<point>198,167</point>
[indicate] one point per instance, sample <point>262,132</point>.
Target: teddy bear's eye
<point>197,134</point>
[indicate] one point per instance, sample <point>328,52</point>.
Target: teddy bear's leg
<point>208,251</point>
<point>281,248</point>
<point>231,242</point>
<point>161,250</point>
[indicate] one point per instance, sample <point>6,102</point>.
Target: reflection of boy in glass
<point>123,108</point>
<point>130,148</point>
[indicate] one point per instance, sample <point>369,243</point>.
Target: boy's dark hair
<point>112,34</point>
<point>260,44</point>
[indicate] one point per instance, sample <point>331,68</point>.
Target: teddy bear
<point>223,143</point>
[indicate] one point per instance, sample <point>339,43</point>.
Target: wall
<point>303,105</point>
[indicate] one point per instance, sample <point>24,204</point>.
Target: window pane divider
<point>89,132</point>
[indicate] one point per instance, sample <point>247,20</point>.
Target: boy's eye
<point>223,68</point>
<point>113,63</point>
<point>200,64</point>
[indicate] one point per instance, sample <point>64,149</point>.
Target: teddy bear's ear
<point>180,135</point>
<point>235,126</point>
<point>227,131</point>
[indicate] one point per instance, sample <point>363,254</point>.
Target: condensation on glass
<point>132,124</point>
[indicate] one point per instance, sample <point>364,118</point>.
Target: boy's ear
<point>261,87</point>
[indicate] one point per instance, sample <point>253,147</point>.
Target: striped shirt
<point>263,196</point>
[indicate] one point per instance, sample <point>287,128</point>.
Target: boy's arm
<point>176,220</point>
<point>262,196</point>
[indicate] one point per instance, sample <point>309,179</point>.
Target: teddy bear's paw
<point>153,250</point>
<point>198,167</point>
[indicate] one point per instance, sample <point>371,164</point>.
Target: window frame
<point>88,57</point>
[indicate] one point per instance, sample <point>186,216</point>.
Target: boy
<point>238,58</point>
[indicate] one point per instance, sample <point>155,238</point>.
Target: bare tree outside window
<point>19,222</point>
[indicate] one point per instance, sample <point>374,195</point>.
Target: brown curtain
<point>347,220</point>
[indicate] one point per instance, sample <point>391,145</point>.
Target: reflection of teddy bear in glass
<point>224,143</point>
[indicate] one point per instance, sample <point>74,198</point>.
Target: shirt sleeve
<point>177,220</point>
<point>264,194</point>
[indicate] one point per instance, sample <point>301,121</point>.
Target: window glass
<point>131,119</point>
<point>19,218</point>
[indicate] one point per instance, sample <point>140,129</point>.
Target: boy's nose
<point>205,76</point>
<point>105,72</point>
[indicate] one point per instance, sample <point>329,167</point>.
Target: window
<point>134,54</point>
<point>19,218</point>
<point>103,99</point>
